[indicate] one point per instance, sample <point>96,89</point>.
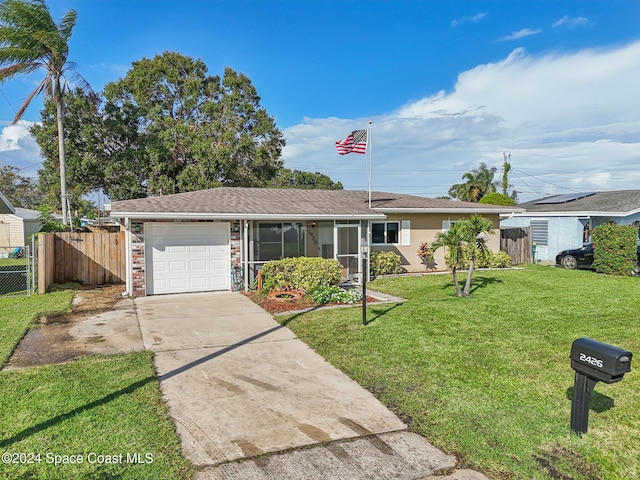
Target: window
<point>385,232</point>
<point>447,224</point>
<point>540,232</point>
<point>279,240</point>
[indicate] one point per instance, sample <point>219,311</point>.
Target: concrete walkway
<point>240,386</point>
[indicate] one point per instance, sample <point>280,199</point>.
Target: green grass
<point>107,406</point>
<point>489,377</point>
<point>17,314</point>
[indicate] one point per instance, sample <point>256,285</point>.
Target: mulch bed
<point>281,305</point>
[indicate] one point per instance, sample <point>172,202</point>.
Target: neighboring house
<point>218,239</point>
<point>17,225</point>
<point>561,222</point>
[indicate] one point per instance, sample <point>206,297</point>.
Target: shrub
<point>301,273</point>
<point>334,294</point>
<point>496,198</point>
<point>614,249</point>
<point>484,259</point>
<point>384,263</point>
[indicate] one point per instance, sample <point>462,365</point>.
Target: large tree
<point>197,131</point>
<point>168,127</point>
<point>287,178</point>
<point>477,183</point>
<point>31,40</point>
<point>105,150</point>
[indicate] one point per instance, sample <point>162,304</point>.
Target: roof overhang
<point>241,216</point>
<point>5,205</point>
<point>577,214</point>
<point>502,211</point>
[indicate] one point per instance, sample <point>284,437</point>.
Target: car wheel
<point>570,262</point>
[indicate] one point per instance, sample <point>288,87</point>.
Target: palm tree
<point>453,240</point>
<point>478,182</point>
<point>475,230</point>
<point>31,40</point>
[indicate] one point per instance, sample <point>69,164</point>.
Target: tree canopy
<point>287,178</point>
<point>21,191</point>
<point>166,127</point>
<point>495,198</point>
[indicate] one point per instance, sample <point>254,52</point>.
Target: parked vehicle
<point>582,258</point>
<point>576,258</point>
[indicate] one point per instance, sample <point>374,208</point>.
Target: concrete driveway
<point>239,385</point>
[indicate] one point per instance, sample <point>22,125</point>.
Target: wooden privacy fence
<point>93,258</point>
<point>518,243</point>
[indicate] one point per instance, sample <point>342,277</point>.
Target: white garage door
<point>187,257</point>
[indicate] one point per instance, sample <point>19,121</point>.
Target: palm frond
<point>26,103</point>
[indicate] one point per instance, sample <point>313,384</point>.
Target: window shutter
<point>405,233</point>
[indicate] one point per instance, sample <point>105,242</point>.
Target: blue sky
<point>448,84</point>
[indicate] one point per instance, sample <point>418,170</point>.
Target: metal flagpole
<point>370,157</point>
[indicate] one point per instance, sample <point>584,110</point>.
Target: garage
<point>184,257</point>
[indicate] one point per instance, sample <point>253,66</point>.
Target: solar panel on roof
<point>568,197</point>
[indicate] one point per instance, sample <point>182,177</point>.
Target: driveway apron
<point>238,384</point>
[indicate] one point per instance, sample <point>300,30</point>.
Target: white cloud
<point>473,19</point>
<point>570,122</point>
<point>571,22</point>
<point>525,32</point>
<point>19,149</point>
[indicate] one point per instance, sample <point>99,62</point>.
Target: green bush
<point>484,258</point>
<point>302,273</point>
<point>384,263</point>
<point>614,249</point>
<point>334,294</point>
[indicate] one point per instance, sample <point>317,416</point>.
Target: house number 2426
<point>592,360</point>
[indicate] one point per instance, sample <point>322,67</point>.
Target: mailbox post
<point>364,249</point>
<point>593,362</point>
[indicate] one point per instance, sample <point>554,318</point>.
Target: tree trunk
<point>455,281</point>
<point>467,285</point>
<point>61,153</point>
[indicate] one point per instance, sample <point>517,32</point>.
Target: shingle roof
<point>624,202</point>
<point>257,202</point>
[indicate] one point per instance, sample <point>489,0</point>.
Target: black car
<point>576,258</point>
<point>579,257</point>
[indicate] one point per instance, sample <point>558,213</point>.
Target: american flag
<point>356,142</point>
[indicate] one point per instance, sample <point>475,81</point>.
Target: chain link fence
<point>17,272</point>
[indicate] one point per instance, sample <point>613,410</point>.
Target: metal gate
<point>17,270</point>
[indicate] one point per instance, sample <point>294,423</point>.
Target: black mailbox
<point>600,361</point>
<point>593,362</point>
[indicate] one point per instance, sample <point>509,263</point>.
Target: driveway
<point>239,385</point>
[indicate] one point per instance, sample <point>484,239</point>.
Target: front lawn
<point>99,417</point>
<point>489,377</point>
<point>17,314</point>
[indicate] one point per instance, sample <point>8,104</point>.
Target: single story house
<point>561,222</point>
<point>218,239</point>
<point>17,225</point>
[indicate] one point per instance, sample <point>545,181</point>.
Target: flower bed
<point>279,305</point>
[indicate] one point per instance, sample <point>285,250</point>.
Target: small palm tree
<point>476,231</point>
<point>453,240</point>
<point>31,40</point>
